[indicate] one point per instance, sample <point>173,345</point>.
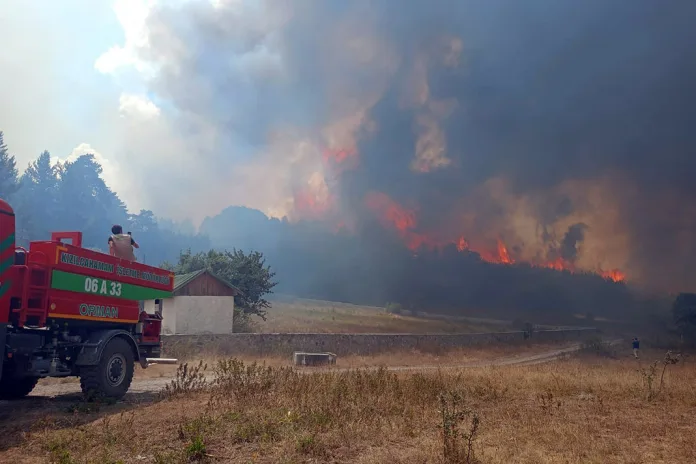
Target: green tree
<point>189,262</point>
<point>253,277</point>
<point>41,178</point>
<point>87,203</point>
<point>158,244</point>
<point>9,183</point>
<point>144,221</point>
<point>39,190</point>
<point>246,271</point>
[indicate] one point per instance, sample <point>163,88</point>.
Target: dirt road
<point>139,387</point>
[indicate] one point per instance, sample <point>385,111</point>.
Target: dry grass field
<point>412,358</point>
<point>406,359</point>
<point>584,409</point>
<point>304,316</point>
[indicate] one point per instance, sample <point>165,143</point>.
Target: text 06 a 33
<point>102,287</point>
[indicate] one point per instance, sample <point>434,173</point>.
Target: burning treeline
<point>404,221</point>
<point>488,252</point>
<point>561,253</point>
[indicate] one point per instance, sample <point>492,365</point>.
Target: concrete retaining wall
<point>355,344</point>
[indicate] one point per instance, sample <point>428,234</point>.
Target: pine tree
<point>88,203</point>
<point>42,175</point>
<point>38,203</point>
<point>9,183</point>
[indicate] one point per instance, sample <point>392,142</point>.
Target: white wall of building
<point>196,314</point>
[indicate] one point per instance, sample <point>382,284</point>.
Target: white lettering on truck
<point>98,311</point>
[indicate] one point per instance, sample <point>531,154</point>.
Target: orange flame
<point>390,212</point>
<point>308,205</point>
<point>498,256</point>
<point>339,155</point>
<point>503,253</point>
<point>340,159</point>
<point>614,274</point>
<point>393,215</point>
<point>462,244</point>
<point>502,256</point>
<point>558,264</point>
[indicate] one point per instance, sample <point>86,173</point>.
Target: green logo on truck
<point>68,281</point>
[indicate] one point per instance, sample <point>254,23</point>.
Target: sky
<point>71,85</point>
<point>52,97</point>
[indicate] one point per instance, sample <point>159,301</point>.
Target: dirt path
<point>145,386</point>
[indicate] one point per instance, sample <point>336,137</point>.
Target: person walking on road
<point>636,346</point>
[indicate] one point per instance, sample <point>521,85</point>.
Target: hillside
<point>300,315</point>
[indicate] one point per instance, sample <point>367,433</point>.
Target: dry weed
<point>575,411</point>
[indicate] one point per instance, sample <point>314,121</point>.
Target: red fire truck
<point>70,311</point>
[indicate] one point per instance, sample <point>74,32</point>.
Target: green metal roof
<point>182,280</point>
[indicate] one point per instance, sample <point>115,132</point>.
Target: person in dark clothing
<point>636,346</point>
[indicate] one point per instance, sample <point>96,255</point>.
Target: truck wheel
<point>13,388</point>
<point>112,377</point>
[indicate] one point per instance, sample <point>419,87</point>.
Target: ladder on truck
<point>33,270</point>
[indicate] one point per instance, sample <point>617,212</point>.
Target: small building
<point>201,303</point>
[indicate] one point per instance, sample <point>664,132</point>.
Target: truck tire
<point>14,388</point>
<point>112,377</point>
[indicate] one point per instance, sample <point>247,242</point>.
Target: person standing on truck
<point>121,245</point>
<point>636,347</point>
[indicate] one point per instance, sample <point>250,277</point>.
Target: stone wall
<point>355,344</point>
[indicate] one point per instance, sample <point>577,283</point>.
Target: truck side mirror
<point>20,257</point>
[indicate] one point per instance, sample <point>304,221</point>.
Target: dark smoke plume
<point>490,119</point>
<point>569,245</point>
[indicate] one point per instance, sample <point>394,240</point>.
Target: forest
<point>367,266</point>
